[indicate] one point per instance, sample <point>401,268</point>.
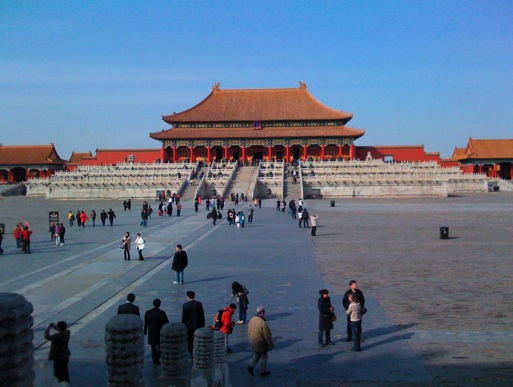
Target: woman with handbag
<point>140,244</point>
<point>125,245</point>
<point>326,318</point>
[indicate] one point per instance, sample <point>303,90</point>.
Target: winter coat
<point>325,314</point>
<point>228,324</point>
<point>260,335</point>
<point>180,261</point>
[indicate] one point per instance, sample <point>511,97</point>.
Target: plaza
<point>440,311</point>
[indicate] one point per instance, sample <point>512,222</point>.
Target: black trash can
<point>333,203</point>
<point>444,232</point>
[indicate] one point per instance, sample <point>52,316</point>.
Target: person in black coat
<point>129,307</point>
<point>193,316</point>
<point>353,288</point>
<point>154,320</point>
<point>103,217</point>
<point>326,313</point>
<point>180,262</point>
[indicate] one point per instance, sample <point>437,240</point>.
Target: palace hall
<point>258,124</point>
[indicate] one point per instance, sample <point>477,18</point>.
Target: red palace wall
<point>397,153</point>
<point>121,156</point>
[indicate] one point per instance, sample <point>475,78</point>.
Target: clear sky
<point>100,74</point>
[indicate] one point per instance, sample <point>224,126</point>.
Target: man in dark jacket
<point>193,316</point>
<point>112,216</point>
<point>103,217</point>
<point>154,320</point>
<point>180,262</point>
<point>129,307</point>
<point>353,288</point>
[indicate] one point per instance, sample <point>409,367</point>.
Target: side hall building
<point>258,124</point>
<point>18,163</point>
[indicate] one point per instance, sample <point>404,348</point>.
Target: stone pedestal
<point>16,348</point>
<point>174,353</point>
<point>124,350</point>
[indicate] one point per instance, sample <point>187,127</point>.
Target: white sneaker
<point>176,282</point>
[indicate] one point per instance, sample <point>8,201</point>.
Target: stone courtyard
<point>440,310</point>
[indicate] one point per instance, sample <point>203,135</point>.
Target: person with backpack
<point>241,292</point>
<point>224,323</point>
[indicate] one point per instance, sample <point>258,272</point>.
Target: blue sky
<point>100,74</point>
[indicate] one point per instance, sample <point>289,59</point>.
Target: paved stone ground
<point>440,311</point>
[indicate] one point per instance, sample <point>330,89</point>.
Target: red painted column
<point>243,154</point>
<point>304,152</point>
<point>270,154</point>
<point>226,152</point>
<point>162,154</point>
<point>209,156</point>
<point>322,152</point>
<point>287,153</point>
<point>339,150</point>
<point>191,154</point>
<point>174,154</point>
<point>352,152</point>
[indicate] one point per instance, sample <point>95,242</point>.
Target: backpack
<point>218,320</point>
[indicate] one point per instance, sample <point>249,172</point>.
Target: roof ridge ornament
<point>216,87</point>
<point>302,85</point>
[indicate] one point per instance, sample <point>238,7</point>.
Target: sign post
<point>53,217</point>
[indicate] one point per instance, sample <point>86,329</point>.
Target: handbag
<point>364,310</point>
<point>333,317</point>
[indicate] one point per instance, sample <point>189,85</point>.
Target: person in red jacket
<point>18,235</point>
<point>26,239</point>
<point>228,324</point>
<point>83,218</point>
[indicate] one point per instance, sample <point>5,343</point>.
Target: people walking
<point>83,218</point>
<point>103,217</point>
<point>154,320</point>
<point>180,262</point>
<point>111,216</point>
<point>59,350</point>
<point>213,215</point>
<point>193,316</point>
<point>140,245</point>
<point>125,245</point>
<point>326,315</point>
<point>178,209</point>
<point>93,217</point>
<point>261,341</point>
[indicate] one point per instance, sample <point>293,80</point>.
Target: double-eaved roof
<point>262,106</point>
<point>12,155</point>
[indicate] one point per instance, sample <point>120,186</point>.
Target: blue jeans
<point>179,277</point>
<point>356,328</point>
<point>242,314</point>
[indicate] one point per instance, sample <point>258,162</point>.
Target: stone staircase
<point>190,191</point>
<point>243,182</point>
<point>290,190</point>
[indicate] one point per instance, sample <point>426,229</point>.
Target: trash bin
<point>444,232</point>
<point>333,203</point>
